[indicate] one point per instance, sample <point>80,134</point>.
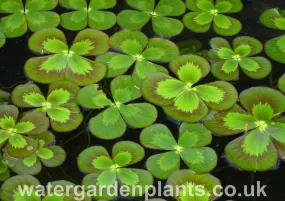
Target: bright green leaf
<point>169,88</point>
<point>210,93</point>
<point>106,178</point>
<point>277,131</point>
<point>168,160</point>
<point>222,21</point>
<point>262,111</point>
<point>30,160</point>
<point>59,97</point>
<point>188,139</point>
<point>243,50</point>
<point>249,64</point>
<point>82,47</point>
<point>111,116</point>
<point>187,101</point>
<point>24,127</point>
<point>224,6</point>
<point>45,153</point>
<point>205,5</point>
<point>34,99</point>
<point>230,66</point>
<point>123,158</point>
<point>132,47</point>
<point>237,121</point>
<point>54,45</point>
<point>256,143</point>
<point>204,18</point>
<point>7,122</point>
<point>59,114</point>
<point>128,177</point>
<point>103,163</point>
<point>192,156</point>
<point>17,141</point>
<point>189,73</point>
<point>225,53</point>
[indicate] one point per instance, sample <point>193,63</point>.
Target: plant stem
<point>46,171</point>
<point>72,138</point>
<point>62,170</point>
<point>12,86</point>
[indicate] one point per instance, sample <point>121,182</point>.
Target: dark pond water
<point>15,53</point>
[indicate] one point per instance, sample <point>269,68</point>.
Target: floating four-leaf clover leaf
<point>45,153</point>
<point>262,125</point>
<point>63,63</point>
<point>160,15</point>
<point>190,186</point>
<point>112,122</point>
<point>59,106</point>
<point>226,60</point>
<point>35,16</point>
<point>275,19</point>
<point>138,49</point>
<point>181,99</point>
<point>105,170</point>
<point>91,14</point>
<point>205,12</point>
<point>190,147</point>
<point>13,129</point>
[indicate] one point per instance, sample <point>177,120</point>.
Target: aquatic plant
<point>112,122</point>
<point>135,47</point>
<point>2,39</point>
<point>160,15</point>
<point>190,147</point>
<point>92,14</point>
<point>63,63</point>
<point>262,126</point>
<point>45,153</point>
<point>13,129</point>
<point>105,170</point>
<point>60,105</point>
<point>180,98</point>
<point>275,48</point>
<point>35,15</point>
<point>227,60</point>
<point>281,83</point>
<point>4,97</point>
<point>10,188</point>
<point>204,13</point>
<point>188,185</point>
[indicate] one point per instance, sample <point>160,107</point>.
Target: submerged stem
<point>12,86</point>
<point>46,171</point>
<point>69,177</point>
<point>72,138</point>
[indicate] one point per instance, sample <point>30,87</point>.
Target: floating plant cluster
<point>74,78</point>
